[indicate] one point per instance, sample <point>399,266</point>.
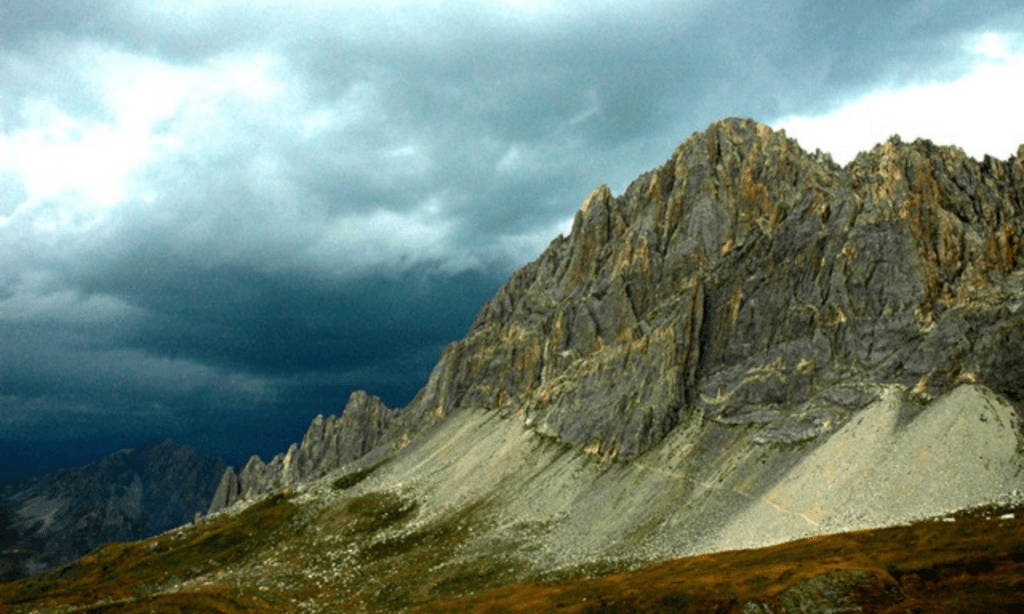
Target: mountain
<point>57,517</point>
<point>749,346</point>
<point>746,282</point>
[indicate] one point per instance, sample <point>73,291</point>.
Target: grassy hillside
<point>281,555</point>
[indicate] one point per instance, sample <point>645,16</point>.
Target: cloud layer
<point>217,219</point>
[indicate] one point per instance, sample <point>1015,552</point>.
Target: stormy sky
<point>217,219</point>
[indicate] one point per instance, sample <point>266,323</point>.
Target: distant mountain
<point>50,519</point>
<point>749,346</point>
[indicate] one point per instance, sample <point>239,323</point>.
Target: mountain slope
<point>131,494</point>
<point>749,346</point>
<point>285,555</point>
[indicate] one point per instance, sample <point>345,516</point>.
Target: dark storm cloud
<point>280,324</point>
<point>342,185</point>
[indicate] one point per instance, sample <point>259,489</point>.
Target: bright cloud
<point>152,110</point>
<point>979,112</point>
<point>57,153</point>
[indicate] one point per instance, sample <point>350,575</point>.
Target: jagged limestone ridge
<point>328,444</point>
<point>745,279</point>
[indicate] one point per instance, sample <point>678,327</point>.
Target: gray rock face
<point>744,280</point>
<point>131,494</point>
<point>228,491</point>
<point>328,444</point>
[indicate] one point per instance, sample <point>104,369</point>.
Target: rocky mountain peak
<point>328,443</point>
<point>746,268</point>
<point>747,281</point>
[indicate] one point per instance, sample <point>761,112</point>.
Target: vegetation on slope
<point>973,562</point>
<point>369,553</point>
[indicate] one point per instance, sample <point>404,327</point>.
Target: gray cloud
<point>337,188</point>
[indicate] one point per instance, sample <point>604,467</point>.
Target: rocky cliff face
<point>745,280</point>
<point>329,443</point>
<point>131,494</point>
